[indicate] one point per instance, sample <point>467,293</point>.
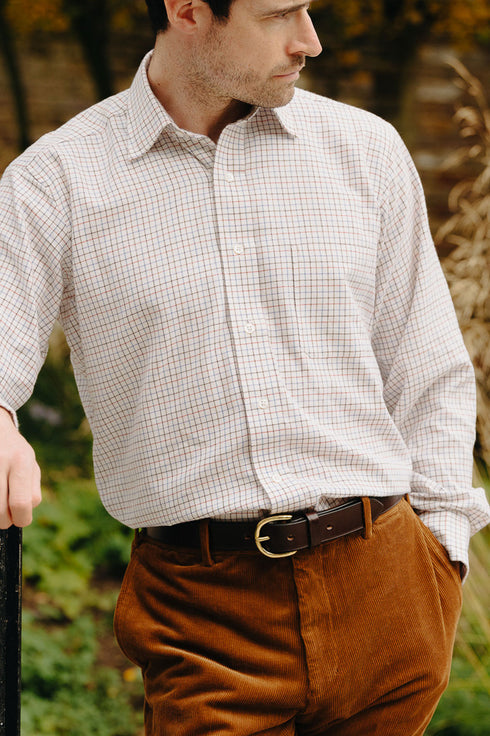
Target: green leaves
<point>74,558</point>
<point>64,689</point>
<point>72,541</point>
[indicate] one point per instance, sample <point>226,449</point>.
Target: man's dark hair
<point>158,12</point>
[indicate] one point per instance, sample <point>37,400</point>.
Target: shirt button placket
<point>236,227</point>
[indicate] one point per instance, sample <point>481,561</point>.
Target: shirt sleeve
<point>33,238</point>
<point>429,384</point>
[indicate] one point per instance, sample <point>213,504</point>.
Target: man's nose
<point>306,40</point>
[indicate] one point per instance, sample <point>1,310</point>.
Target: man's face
<point>255,55</point>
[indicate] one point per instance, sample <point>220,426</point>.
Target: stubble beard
<point>211,78</point>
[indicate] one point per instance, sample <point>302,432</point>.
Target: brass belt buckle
<point>259,539</point>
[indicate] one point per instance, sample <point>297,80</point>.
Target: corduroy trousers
<point>350,638</point>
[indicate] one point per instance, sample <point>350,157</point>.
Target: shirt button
<point>276,478</point>
<point>228,176</point>
<point>238,250</point>
<point>250,328</point>
<point>263,403</point>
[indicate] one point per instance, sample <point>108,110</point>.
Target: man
<point>279,395</point>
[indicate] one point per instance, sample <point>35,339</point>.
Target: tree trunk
<point>90,23</point>
<point>394,50</point>
<point>392,62</point>
<point>12,66</point>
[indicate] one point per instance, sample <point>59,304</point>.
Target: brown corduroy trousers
<point>351,638</point>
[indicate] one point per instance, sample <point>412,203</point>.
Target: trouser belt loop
<point>368,517</point>
<point>206,558</point>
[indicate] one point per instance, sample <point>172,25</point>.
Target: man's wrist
<point>5,410</point>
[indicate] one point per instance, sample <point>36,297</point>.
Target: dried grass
<point>467,231</point>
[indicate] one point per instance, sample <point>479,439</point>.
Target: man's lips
<point>291,74</point>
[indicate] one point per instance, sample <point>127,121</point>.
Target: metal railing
<point>10,630</point>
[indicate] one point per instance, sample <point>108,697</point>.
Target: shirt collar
<point>147,118</point>
<point>288,118</point>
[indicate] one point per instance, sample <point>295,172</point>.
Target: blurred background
<point>424,65</point>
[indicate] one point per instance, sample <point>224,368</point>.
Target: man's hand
<point>20,476</point>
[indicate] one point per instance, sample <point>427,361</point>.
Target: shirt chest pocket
<point>334,276</point>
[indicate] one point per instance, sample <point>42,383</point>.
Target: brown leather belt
<point>279,535</point>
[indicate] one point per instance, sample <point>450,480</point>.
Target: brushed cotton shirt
<point>256,326</point>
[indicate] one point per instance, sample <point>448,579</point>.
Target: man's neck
<point>189,108</point>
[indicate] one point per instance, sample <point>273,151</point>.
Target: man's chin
<point>277,100</point>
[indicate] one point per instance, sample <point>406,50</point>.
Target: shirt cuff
<point>453,531</point>
<point>12,413</point>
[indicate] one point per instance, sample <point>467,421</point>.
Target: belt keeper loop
<point>368,519</point>
<point>314,530</point>
<point>206,558</point>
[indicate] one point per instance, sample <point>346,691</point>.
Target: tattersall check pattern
<point>256,326</point>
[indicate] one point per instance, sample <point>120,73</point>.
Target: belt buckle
<point>259,539</point>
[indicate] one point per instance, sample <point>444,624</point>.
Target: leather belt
<point>279,535</point>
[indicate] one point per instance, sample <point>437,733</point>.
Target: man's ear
<point>185,15</point>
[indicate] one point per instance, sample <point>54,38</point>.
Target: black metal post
<point>10,630</point>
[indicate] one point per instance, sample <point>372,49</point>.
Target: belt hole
<point>329,528</point>
<point>290,538</point>
<point>247,537</point>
